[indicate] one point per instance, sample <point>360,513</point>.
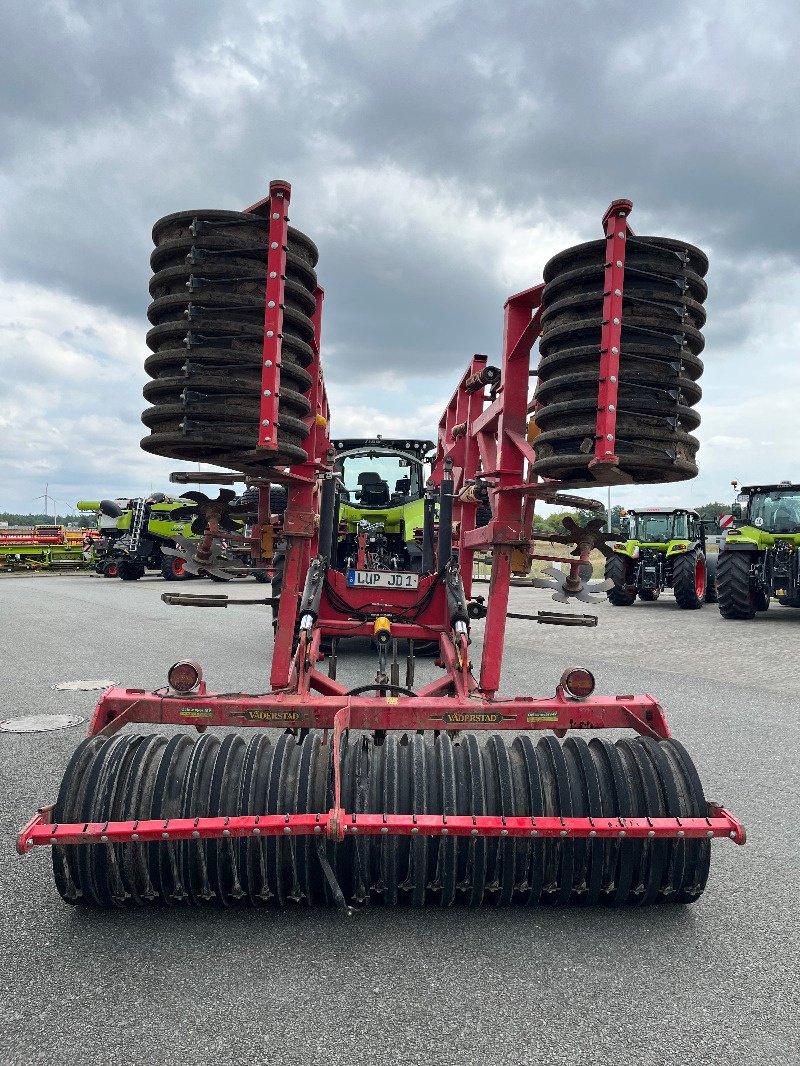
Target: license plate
<point>381,579</point>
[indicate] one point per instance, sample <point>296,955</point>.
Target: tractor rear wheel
<point>649,595</point>
<point>737,593</point>
<point>689,580</point>
<point>619,569</point>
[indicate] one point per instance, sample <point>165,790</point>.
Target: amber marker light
<point>578,682</point>
<point>185,676</point>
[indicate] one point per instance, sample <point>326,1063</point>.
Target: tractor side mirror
<point>736,510</point>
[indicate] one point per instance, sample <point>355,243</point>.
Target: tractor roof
<point>782,485</point>
<point>661,510</point>
<point>406,445</point>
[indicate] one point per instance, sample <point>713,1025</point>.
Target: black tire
<point>736,593</point>
<point>711,578</point>
<point>689,580</point>
<point>649,595</point>
<point>110,568</point>
<point>619,568</point>
<point>172,568</point>
<point>129,571</point>
<point>762,601</point>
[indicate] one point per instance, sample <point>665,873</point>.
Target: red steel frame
<point>478,436</point>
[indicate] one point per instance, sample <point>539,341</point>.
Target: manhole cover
<point>82,686</point>
<point>39,723</point>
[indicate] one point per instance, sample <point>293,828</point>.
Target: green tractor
<point>379,509</point>
<point>380,503</point>
<point>134,531</point>
<point>760,557</point>
<point>665,549</point>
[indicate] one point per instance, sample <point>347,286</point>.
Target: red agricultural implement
<point>325,792</point>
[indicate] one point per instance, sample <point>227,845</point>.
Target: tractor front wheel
<point>173,568</point>
<point>649,595</point>
<point>737,594</point>
<point>110,568</point>
<point>689,580</point>
<point>620,570</point>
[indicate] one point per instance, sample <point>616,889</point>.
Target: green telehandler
<point>759,556</point>
<point>665,549</point>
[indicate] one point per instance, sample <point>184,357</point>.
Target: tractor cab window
<point>777,511</point>
<point>653,528</point>
<point>373,480</point>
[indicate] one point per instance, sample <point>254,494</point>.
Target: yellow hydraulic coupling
<point>382,630</point>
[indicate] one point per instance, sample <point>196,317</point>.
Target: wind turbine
<point>47,497</point>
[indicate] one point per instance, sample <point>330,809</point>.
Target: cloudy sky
<point>439,152</point>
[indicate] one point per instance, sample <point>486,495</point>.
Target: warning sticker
<point>196,712</point>
<point>542,716</point>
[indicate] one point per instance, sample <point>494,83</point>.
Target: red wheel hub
<point>700,579</point>
<point>177,567</point>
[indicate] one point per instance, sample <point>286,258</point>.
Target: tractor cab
<point>770,508</point>
<point>653,526</point>
<point>381,489</point>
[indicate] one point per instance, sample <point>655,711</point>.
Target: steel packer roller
<point>391,792</point>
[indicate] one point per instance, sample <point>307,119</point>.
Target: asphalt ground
<point>715,983</point>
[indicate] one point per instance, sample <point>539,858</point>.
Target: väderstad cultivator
<point>385,792</point>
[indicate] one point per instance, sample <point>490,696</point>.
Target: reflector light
<point>184,676</point>
<point>578,682</point>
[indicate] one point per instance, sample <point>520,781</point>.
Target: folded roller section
<point>130,777</point>
<point>207,338</point>
<point>659,360</point>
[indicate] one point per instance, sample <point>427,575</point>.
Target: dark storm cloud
<point>501,118</point>
<point>566,104</point>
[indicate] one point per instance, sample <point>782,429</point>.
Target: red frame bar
<point>337,824</point>
<point>617,231</point>
<point>337,710</point>
<point>279,196</point>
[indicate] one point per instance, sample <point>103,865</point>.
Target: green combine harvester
<point>135,530</point>
<point>760,557</point>
<point>665,549</point>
